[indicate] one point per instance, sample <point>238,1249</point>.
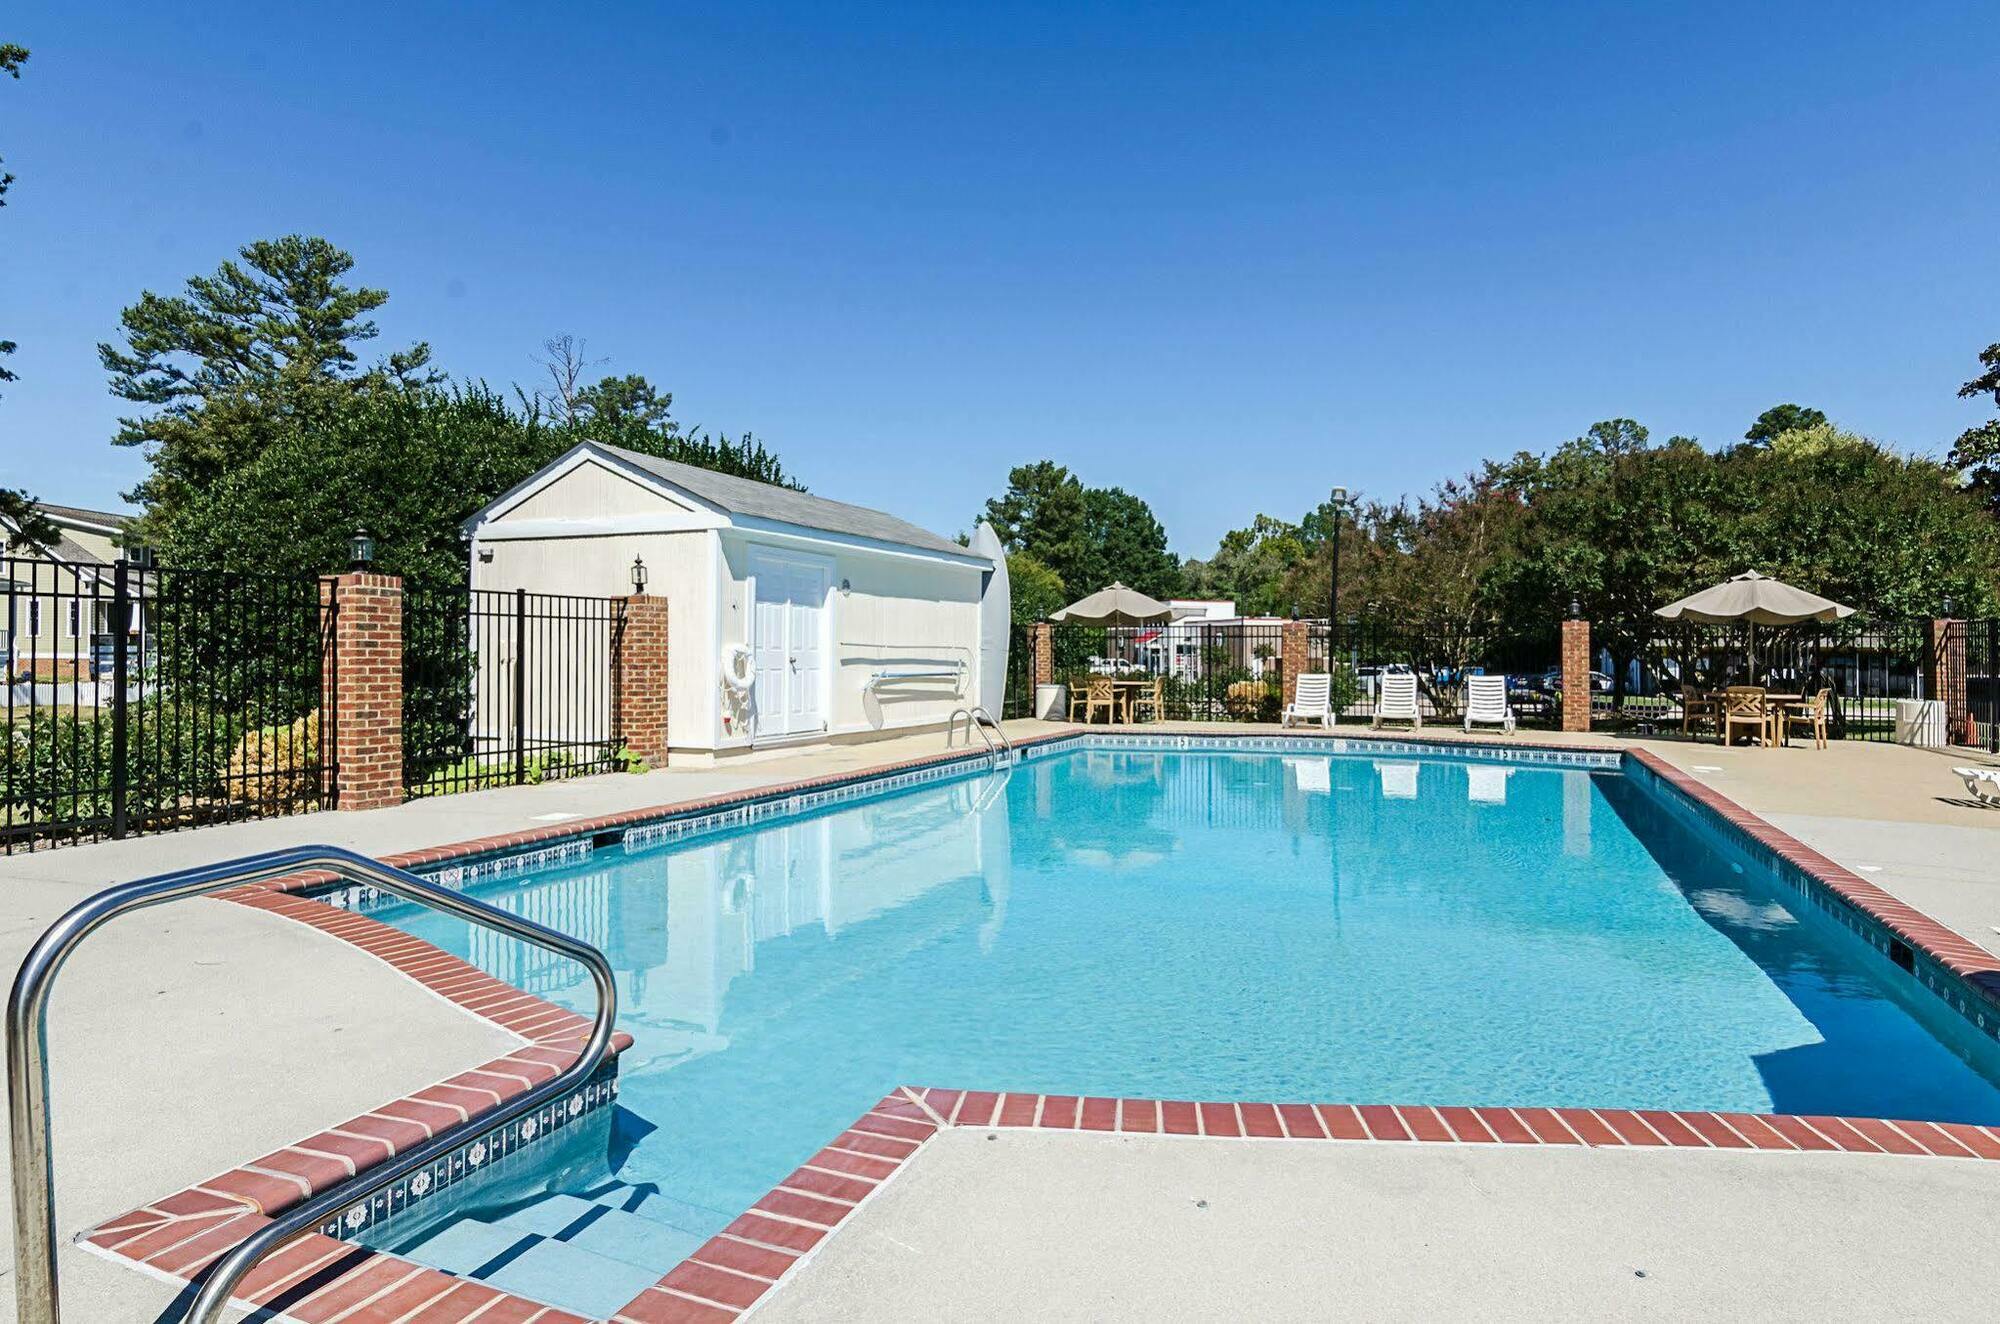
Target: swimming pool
<point>1179,923</point>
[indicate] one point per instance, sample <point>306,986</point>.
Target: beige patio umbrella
<point>1116,605</point>
<point>1754,600</point>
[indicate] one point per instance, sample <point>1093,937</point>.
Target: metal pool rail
<point>28,1070</point>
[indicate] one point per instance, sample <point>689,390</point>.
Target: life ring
<point>738,669</point>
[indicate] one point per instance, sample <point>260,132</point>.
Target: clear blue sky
<point>1222,255</point>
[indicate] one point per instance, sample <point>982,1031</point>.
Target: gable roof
<point>749,499</point>
<point>65,518</point>
<point>105,519</point>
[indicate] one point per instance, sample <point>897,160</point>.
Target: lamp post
<point>1333,581</point>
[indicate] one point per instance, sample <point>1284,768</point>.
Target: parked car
<point>1553,681</point>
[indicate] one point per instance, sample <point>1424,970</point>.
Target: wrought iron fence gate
<point>145,699</point>
<point>506,687</point>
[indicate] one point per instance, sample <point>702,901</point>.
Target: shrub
<point>1252,701</point>
<point>275,765</point>
<point>58,762</point>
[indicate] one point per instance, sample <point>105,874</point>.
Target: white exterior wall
<point>899,610</point>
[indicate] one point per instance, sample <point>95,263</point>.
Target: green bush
<point>57,762</point>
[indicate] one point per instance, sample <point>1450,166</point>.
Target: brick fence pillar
<point>1576,675</point>
<point>1042,643</point>
<point>1944,672</point>
<point>1295,643</point>
<point>362,691</point>
<point>639,693</point>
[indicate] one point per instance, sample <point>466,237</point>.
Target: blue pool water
<point>1217,926</point>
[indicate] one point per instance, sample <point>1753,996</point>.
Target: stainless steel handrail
<point>985,719</point>
<point>971,725</point>
<point>28,1069</point>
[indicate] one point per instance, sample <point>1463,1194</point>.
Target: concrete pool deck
<point>178,1038</point>
<point>1017,1224</point>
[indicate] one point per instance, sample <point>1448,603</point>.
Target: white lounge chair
<point>1486,701</point>
<point>1983,784</point>
<point>1313,701</point>
<point>1397,701</point>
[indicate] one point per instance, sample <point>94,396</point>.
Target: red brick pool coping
<point>319,1280</point>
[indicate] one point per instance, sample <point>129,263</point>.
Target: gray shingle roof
<point>81,515</point>
<point>746,496</point>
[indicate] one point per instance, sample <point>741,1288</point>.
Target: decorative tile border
<point>475,1155</point>
<point>788,803</point>
<point>735,1270</point>
<point>1338,742</point>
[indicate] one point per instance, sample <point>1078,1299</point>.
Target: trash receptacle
<point>1920,722</point>
<point>1049,702</point>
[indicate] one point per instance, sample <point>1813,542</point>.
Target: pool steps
<point>586,1254</point>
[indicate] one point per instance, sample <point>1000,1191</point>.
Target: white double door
<point>788,644</point>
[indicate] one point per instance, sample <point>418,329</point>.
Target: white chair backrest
<point>1399,693</point>
<point>1486,696</point>
<point>1315,688</point>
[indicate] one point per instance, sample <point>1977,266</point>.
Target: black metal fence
<point>1980,641</point>
<point>1233,671</point>
<point>144,699</point>
<point>506,688</point>
<point>1869,668</point>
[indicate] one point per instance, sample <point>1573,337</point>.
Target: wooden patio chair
<point>1154,697</point>
<point>1077,701</point>
<point>1103,693</point>
<point>1698,709</point>
<point>1811,715</point>
<point>1745,705</point>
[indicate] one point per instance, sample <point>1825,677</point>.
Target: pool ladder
<point>28,1067</point>
<point>978,719</point>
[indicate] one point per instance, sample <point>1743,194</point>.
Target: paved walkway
<point>1025,1225</point>
<point>180,1037</point>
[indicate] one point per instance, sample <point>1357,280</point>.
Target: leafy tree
<point>1036,591</point>
<point>630,411</point>
<point>1089,536</point>
<point>1618,525</point>
<point>29,527</point>
<point>1893,535</point>
<point>243,355</point>
<point>1124,543</point>
<point>409,465</point>
<point>617,406</point>
<point>1252,567</point>
<point>1780,419</point>
<point>1042,511</point>
<point>1977,450</point>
